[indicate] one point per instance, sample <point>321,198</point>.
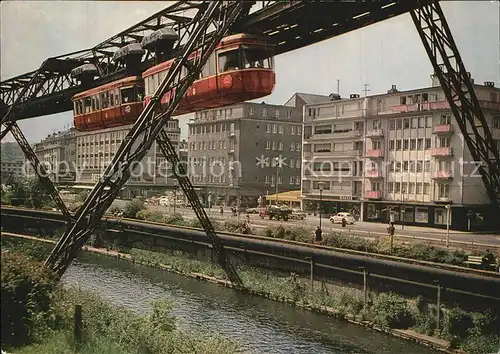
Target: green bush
<point>174,219</point>
<point>27,290</point>
<point>132,208</point>
<point>456,323</point>
<point>482,344</point>
<point>235,226</point>
<point>391,310</point>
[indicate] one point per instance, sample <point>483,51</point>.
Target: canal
<point>259,325</point>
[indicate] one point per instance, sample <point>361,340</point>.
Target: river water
<point>259,325</point>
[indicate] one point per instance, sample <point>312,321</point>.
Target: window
<point>268,128</point>
<point>414,122</point>
<point>399,124</point>
<point>268,145</point>
<point>402,100</point>
<point>419,188</point>
<point>426,188</point>
<point>420,144</point>
<point>411,188</point>
<point>427,143</point>
<point>251,111</point>
<point>277,113</point>
<point>405,166</point>
<point>441,216</point>
<point>419,166</point>
<point>292,163</point>
<point>404,187</point>
<point>299,130</point>
<point>264,114</point>
<point>376,145</point>
<point>428,122</point>
<point>392,124</point>
<point>229,60</point>
<point>292,147</point>
<point>390,187</point>
<point>392,145</point>
<point>256,57</point>
<point>292,179</point>
<point>406,144</point>
<point>292,129</point>
<point>397,187</point>
<point>413,144</point>
<point>422,215</point>
<point>280,145</point>
<point>443,190</point>
<point>398,144</point>
<point>421,122</point>
<point>427,166</point>
<point>298,147</point>
<point>323,129</point>
<point>289,114</point>
<point>275,128</point>
<point>406,123</point>
<point>274,145</point>
<point>496,122</point>
<point>281,129</point>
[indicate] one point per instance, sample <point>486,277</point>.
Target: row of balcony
<point>440,105</point>
<point>373,174</point>
<point>377,195</point>
<point>373,153</point>
<point>440,129</point>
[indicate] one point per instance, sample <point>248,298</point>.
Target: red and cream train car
<point>111,105</point>
<point>240,69</point>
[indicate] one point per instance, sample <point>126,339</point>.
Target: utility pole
<point>366,89</point>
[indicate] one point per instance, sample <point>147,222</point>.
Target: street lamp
<point>448,209</point>
<point>403,209</point>
<point>277,159</point>
<point>209,202</point>
<point>320,185</point>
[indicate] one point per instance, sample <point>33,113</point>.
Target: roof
<point>300,99</point>
<point>291,196</point>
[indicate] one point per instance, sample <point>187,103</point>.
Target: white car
<point>337,219</point>
<point>163,201</point>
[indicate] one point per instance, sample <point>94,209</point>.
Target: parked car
<point>163,201</point>
<point>252,210</point>
<point>298,214</point>
<point>337,219</point>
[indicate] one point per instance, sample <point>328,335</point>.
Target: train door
<point>228,59</point>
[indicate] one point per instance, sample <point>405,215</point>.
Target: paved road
<point>365,229</point>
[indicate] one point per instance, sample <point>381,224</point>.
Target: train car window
<point>111,98</point>
<point>117,97</point>
<point>128,95</point>
<point>230,60</point>
<point>87,103</point>
<point>93,104</point>
<point>139,93</point>
<point>211,64</point>
<point>255,57</point>
<point>105,99</point>
<point>97,102</point>
<point>154,85</point>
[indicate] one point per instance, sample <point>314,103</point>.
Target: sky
<point>380,55</point>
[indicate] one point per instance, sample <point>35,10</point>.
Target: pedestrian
<point>317,234</point>
<point>391,229</point>
<point>221,211</point>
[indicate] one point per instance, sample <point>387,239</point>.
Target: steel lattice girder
<point>220,15</point>
<point>292,24</point>
<point>181,174</point>
<point>459,90</point>
<point>39,169</point>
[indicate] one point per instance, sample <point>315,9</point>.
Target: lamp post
<point>277,159</point>
<point>320,185</point>
<point>448,209</point>
<point>209,202</point>
<point>403,209</point>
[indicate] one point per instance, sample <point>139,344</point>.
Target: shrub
<point>174,219</point>
<point>114,210</point>
<point>392,311</point>
<point>132,208</point>
<point>456,323</point>
<point>481,344</point>
<point>235,226</point>
<point>27,290</point>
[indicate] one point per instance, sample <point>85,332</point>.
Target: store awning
<point>291,196</point>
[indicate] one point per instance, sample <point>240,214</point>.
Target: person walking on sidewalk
<point>317,235</point>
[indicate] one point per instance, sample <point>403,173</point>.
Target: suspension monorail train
<point>240,69</point>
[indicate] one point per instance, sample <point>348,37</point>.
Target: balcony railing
<point>376,153</point>
<point>332,154</point>
<point>373,195</point>
<point>442,151</point>
<point>442,199</point>
<point>442,175</point>
<point>443,129</point>
<point>375,133</point>
<point>335,135</point>
<point>374,174</point>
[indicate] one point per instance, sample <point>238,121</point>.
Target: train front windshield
<point>246,57</point>
<point>132,94</point>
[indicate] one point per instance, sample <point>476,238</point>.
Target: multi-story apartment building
<point>57,153</point>
<point>12,170</point>
<point>397,157</point>
<point>95,149</point>
<point>244,151</point>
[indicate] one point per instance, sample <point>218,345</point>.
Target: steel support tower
<point>216,17</point>
<point>440,46</point>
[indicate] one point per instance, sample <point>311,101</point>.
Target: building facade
<point>397,157</point>
<point>96,149</point>
<point>244,151</point>
<point>57,153</point>
<point>12,170</point>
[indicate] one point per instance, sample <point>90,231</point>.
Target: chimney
<point>489,84</point>
<point>393,89</point>
<point>334,96</point>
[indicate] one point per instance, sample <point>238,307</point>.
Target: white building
<point>396,156</point>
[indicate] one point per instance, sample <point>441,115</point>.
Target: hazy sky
<point>383,54</point>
